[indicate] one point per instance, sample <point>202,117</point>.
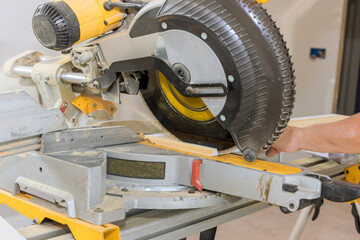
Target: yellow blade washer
<point>191,107</point>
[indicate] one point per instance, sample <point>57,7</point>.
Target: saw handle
<point>340,191</point>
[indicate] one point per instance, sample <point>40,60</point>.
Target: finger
<point>272,152</point>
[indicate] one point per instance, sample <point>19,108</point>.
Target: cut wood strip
<point>166,141</point>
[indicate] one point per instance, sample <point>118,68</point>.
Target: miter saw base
<point>98,173</point>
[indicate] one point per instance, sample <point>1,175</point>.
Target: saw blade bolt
<point>223,118</point>
<point>182,72</point>
<point>164,25</point>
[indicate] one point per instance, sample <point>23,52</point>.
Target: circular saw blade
<point>255,64</point>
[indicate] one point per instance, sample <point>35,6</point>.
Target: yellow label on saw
<point>238,160</point>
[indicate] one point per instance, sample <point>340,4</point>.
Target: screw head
<point>98,210</point>
<point>95,105</point>
<point>164,25</point>
<point>189,91</point>
<point>231,78</point>
<point>96,84</point>
<point>204,36</point>
<point>223,118</point>
<point>35,221</point>
<point>181,73</point>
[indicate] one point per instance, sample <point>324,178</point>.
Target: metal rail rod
<point>73,78</point>
<point>23,71</point>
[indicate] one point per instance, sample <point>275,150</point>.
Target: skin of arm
<point>337,137</point>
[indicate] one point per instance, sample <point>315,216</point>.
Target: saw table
<point>163,224</point>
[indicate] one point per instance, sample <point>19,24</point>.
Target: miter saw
<point>214,70</point>
<point>211,72</point>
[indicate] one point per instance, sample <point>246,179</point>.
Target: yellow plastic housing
<point>93,19</point>
<point>352,174</point>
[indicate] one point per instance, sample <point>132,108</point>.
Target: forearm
<point>338,137</point>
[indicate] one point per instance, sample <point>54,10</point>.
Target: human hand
<point>287,142</point>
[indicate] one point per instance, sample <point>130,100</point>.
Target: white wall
<point>311,24</point>
<point>16,36</point>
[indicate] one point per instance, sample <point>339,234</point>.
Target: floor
<point>334,222</point>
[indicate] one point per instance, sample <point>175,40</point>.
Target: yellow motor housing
<point>60,24</point>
